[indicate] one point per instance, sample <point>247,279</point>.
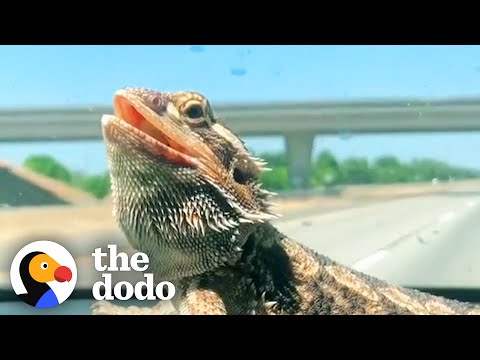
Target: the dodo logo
<point>43,274</point>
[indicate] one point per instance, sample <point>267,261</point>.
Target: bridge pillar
<point>299,154</point>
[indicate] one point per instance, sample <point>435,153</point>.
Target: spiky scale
<point>270,304</point>
<point>202,227</point>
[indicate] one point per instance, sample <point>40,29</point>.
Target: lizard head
<point>185,188</point>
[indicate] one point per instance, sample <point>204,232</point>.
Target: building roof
<point>62,191</point>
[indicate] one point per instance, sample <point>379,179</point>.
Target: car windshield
<point>373,150</point>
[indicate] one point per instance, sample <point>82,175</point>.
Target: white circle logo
<point>43,274</point>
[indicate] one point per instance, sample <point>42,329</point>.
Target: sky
<point>88,75</point>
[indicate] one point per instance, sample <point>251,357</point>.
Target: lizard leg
<point>108,308</point>
<point>222,292</point>
<point>192,301</point>
<point>200,301</point>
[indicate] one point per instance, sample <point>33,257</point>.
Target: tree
<point>392,174</point>
<point>48,166</point>
<point>356,170</point>
<point>98,185</point>
<point>387,161</point>
<point>277,179</point>
<point>326,170</point>
<point>427,169</point>
<point>388,169</point>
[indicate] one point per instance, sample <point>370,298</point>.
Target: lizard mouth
<point>132,118</point>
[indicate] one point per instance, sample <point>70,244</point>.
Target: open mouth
<point>156,132</point>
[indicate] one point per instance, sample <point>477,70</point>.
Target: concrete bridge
<point>298,122</point>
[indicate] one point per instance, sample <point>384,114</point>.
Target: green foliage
<point>48,166</point>
<point>356,170</point>
<point>387,170</point>
<point>97,185</point>
<point>327,172</point>
<point>276,179</point>
<point>427,169</point>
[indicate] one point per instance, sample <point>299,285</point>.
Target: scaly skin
<point>186,192</point>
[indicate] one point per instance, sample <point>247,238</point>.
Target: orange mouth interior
<point>167,146</point>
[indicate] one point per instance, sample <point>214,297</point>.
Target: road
<point>424,241</point>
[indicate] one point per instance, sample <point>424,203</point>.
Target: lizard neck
<point>259,281</point>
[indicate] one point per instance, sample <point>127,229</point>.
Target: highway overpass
<point>299,122</point>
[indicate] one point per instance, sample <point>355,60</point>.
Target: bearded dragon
<point>186,191</point>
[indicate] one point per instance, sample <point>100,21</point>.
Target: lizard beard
<point>179,220</point>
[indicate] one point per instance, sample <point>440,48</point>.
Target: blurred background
<point>374,150</point>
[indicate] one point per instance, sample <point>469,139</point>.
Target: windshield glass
<point>373,149</point>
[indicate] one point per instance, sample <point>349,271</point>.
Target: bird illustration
<point>36,270</point>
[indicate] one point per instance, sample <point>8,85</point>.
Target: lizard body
<point>186,192</point>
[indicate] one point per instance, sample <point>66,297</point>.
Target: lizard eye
<point>194,112</point>
<point>240,176</point>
